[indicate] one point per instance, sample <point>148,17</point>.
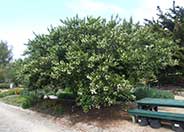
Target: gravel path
<point>14,119</point>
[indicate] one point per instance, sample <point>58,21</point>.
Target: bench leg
<point>133,119</point>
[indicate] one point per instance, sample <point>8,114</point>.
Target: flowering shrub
<point>98,60</point>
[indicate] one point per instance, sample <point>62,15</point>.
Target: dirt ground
<point>15,119</point>
<point>110,120</point>
<point>113,119</point>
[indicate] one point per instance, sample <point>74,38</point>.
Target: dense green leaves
<point>171,24</point>
<point>5,58</point>
<point>5,53</point>
<point>14,71</point>
<point>99,61</point>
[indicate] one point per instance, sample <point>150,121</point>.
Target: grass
<point>16,100</point>
<point>12,96</point>
<point>51,107</point>
<point>8,92</point>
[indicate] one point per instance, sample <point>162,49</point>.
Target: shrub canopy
<point>98,60</point>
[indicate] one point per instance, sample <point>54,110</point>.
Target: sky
<point>20,18</point>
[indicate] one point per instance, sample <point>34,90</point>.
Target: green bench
<point>160,102</point>
<point>148,110</point>
<point>157,115</point>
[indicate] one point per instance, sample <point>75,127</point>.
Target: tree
<point>5,53</point>
<point>171,24</point>
<point>14,71</point>
<point>5,58</point>
<point>100,61</point>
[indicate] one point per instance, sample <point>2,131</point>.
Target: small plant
<point>29,101</point>
<point>144,92</point>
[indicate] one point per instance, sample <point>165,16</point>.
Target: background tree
<point>14,72</point>
<point>171,24</point>
<point>5,53</point>
<point>5,58</point>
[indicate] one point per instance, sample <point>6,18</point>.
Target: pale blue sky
<point>19,18</point>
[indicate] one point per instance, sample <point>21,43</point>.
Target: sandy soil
<point>14,119</point>
<point>111,120</point>
<point>105,121</point>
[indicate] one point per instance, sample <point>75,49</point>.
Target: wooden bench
<point>148,109</point>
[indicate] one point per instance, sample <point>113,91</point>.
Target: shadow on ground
<point>71,115</point>
<point>74,114</point>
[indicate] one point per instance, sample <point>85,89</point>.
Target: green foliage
<point>29,100</point>
<point>27,103</point>
<point>4,85</point>
<point>5,53</point>
<point>5,58</point>
<point>15,91</point>
<point>99,61</point>
<point>171,24</point>
<point>18,97</point>
<point>65,95</point>
<point>144,92</point>
<point>16,100</point>
<point>14,71</point>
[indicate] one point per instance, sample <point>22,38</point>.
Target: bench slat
<point>161,102</point>
<point>154,114</point>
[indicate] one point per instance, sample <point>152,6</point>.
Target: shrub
<point>31,98</point>
<point>144,92</point>
<point>29,101</point>
<point>4,85</point>
<point>98,60</point>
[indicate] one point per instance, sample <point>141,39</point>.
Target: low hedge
<point>15,91</point>
<point>4,85</point>
<point>144,92</point>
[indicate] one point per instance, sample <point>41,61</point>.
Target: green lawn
<point>13,100</point>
